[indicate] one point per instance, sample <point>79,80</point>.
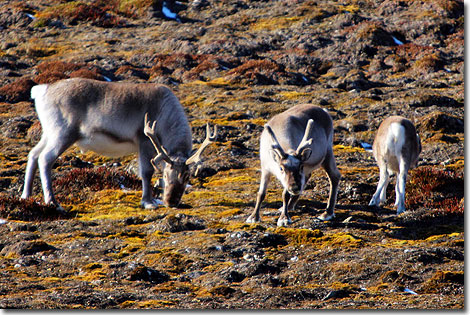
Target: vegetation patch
<point>52,71</point>
<point>17,91</point>
<point>427,187</point>
<point>94,179</point>
<point>74,12</point>
<point>13,208</point>
<point>275,23</point>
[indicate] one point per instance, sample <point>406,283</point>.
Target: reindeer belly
<point>108,145</point>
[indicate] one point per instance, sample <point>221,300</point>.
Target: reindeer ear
<point>275,155</point>
<point>305,154</point>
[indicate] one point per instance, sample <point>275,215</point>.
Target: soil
<point>237,63</point>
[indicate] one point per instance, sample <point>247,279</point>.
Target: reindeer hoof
<point>400,210</point>
<point>284,221</point>
<point>325,216</point>
<point>252,219</point>
<point>150,205</point>
<point>60,210</point>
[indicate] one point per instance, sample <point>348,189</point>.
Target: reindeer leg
<point>263,186</point>
<point>400,187</point>
<point>52,149</point>
<point>380,194</point>
<point>334,177</point>
<point>32,167</point>
<point>146,173</point>
<point>284,218</point>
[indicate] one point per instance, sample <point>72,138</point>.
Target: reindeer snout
<point>295,190</point>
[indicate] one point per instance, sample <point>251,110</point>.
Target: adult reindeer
<point>292,145</point>
<point>108,118</point>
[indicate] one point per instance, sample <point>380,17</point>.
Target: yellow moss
<point>168,259</point>
<point>93,271</point>
<point>238,122</point>
<point>343,286</point>
<point>111,204</point>
<point>347,148</point>
<point>274,23</point>
<point>293,94</point>
<point>217,82</point>
<point>229,213</point>
<point>458,164</point>
<point>215,198</point>
<point>241,226</point>
<point>159,235</point>
<point>149,304</point>
<point>229,180</point>
<point>218,266</point>
<point>300,236</point>
<point>351,8</point>
<point>341,268</point>
<point>378,288</point>
<point>172,286</point>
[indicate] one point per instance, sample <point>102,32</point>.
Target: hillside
<point>237,63</point>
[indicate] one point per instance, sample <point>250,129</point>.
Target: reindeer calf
<point>396,149</point>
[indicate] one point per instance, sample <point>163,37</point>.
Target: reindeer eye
<point>282,169</point>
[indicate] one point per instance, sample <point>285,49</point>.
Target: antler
<point>196,157</point>
<point>276,146</point>
<point>150,132</point>
<point>306,140</point>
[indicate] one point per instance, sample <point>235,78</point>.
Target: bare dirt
<point>236,64</point>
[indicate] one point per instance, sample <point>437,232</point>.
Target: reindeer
<point>292,145</point>
<point>108,118</point>
<point>396,149</point>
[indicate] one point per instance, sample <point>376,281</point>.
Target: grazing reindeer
<point>396,149</point>
<point>108,118</point>
<point>292,145</point>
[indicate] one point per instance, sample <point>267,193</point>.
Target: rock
<point>272,240</point>
<point>439,121</point>
<point>27,248</point>
<point>180,222</point>
<point>435,100</point>
<point>139,272</point>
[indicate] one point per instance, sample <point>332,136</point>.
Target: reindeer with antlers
<point>108,118</point>
<point>292,145</point>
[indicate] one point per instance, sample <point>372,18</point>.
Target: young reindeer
<point>292,145</point>
<point>396,149</point>
<point>108,118</point>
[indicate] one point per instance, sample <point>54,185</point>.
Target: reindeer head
<point>291,165</point>
<point>176,172</point>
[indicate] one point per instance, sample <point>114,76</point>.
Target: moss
<point>241,226</point>
<point>292,95</point>
<point>300,236</point>
<point>229,213</point>
<point>351,8</point>
<point>133,8</point>
<point>441,280</point>
<point>111,204</point>
<point>347,148</point>
<point>75,12</point>
<point>229,180</point>
<point>169,259</point>
<point>275,23</point>
<point>149,304</point>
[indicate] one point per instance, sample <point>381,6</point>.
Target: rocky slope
<point>236,63</point>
